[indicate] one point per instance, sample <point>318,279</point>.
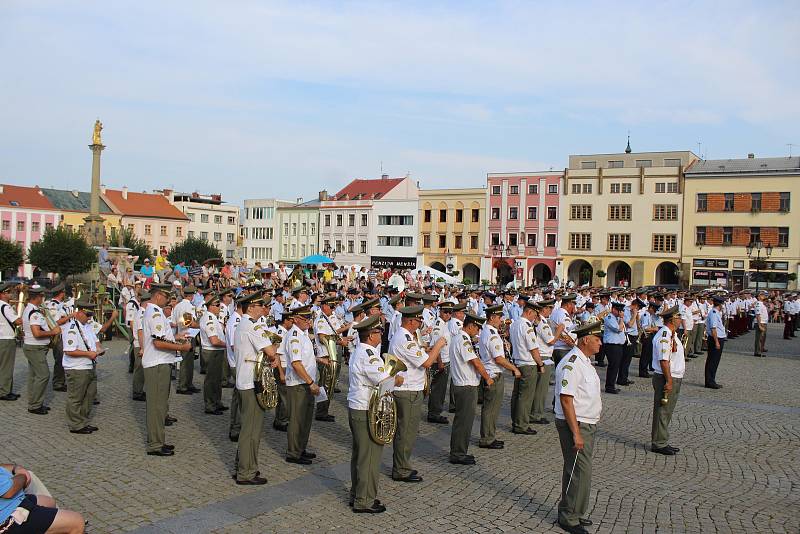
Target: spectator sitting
<point>197,275</point>
<point>147,272</point>
<point>25,511</point>
<point>181,272</point>
<point>103,261</point>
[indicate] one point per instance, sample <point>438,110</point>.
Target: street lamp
<point>757,246</point>
<point>501,252</point>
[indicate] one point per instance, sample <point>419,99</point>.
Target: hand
<point>440,366</point>
<point>56,330</point>
<point>324,361</point>
<point>668,387</point>
<point>540,369</point>
<point>578,442</point>
<point>140,353</point>
<point>314,389</point>
<point>114,314</point>
<point>398,380</point>
<point>489,382</point>
<point>516,373</point>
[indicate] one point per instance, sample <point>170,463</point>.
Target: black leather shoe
<point>462,461</point>
<point>577,529</point>
<point>413,477</point>
<point>84,430</point>
<point>280,428</point>
<point>613,391</point>
<point>301,460</point>
<point>526,432</point>
<point>183,391</point>
<point>194,389</point>
<point>255,481</point>
<point>666,451</point>
<point>438,419</point>
<point>222,407</point>
<point>141,397</point>
<point>493,445</point>
<point>626,383</point>
<point>60,388</point>
<point>214,412</point>
<point>542,421</point>
<point>644,375</point>
<point>326,418</point>
<point>92,428</point>
<point>95,402</point>
<point>233,438</point>
<point>227,385</point>
<point>309,455</point>
<point>374,509</point>
<point>713,386</point>
<point>168,447</point>
<point>163,451</point>
<point>676,449</point>
<point>585,522</point>
<point>41,410</point>
<point>9,397</point>
<point>171,419</point>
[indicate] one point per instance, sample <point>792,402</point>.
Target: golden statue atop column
<point>94,227</point>
<point>98,127</point>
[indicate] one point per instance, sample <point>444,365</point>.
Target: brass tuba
<point>330,371</point>
<point>266,387</point>
<point>51,324</point>
<point>382,411</point>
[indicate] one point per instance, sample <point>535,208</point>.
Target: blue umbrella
<point>315,259</point>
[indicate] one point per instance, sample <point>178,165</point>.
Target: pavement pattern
<point>738,469</point>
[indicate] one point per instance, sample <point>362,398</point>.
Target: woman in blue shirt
<point>22,513</point>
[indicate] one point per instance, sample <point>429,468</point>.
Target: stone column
<point>94,227</point>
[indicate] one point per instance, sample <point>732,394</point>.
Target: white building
<point>298,226</point>
<point>372,223</point>
<point>260,230</point>
<point>211,220</point>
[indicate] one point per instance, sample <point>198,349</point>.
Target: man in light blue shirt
<point>630,318</point>
<point>614,340</point>
<point>715,327</point>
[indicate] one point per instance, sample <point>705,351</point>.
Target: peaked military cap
<point>411,312</point>
<point>370,323</point>
<point>590,329</point>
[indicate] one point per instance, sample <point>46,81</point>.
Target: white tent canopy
<point>435,273</point>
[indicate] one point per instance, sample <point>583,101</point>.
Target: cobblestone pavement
<point>737,470</point>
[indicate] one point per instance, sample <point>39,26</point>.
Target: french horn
<point>382,411</point>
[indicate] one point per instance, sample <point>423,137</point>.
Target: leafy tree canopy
<point>193,248</point>
<point>126,238</point>
<point>62,251</point>
<point>11,255</point>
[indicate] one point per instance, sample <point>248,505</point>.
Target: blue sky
<point>260,99</point>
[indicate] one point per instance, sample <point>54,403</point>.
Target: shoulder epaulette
<point>573,358</point>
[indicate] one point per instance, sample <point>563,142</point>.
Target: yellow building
<point>731,203</point>
<point>452,223</point>
<point>621,215</point>
<point>74,207</point>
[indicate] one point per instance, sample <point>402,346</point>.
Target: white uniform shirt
<point>210,327</point>
<point>668,347</point>
<point>184,306</point>
<point>687,317</point>
<point>560,316</point>
<point>136,325</point>
<point>230,336</point>
<point>251,338</point>
<point>31,315</point>
<point>491,347</point>
<point>441,330</point>
<point>9,315</point>
<point>76,338</point>
<point>321,326</point>
<point>394,323</point>
<point>576,377</point>
<point>299,349</point>
<point>280,349</point>
<point>544,335</point>
<point>131,309</point>
<point>404,346</point>
<point>523,341</point>
<point>366,370</point>
<point>455,326</point>
<point>463,373</point>
<point>156,325</point>
<point>762,316</point>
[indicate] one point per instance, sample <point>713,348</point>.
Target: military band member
<point>212,343</point>
<point>614,340</point>
<point>37,339</point>
<point>561,322</point>
<point>326,326</point>
<point>132,306</point>
<point>455,324</point>
<point>182,311</point>
<point>8,345</point>
<point>669,364</point>
<point>760,321</point>
<point>81,351</point>
<point>366,371</point>
<point>281,421</point>
<point>231,325</point>
<point>577,408</point>
<point>441,368</point>
<point>409,396</point>
<point>159,348</point>
<point>630,317</point>
<point>716,343</point>
<point>531,367</point>
<point>58,314</point>
<point>467,371</point>
<point>137,315</point>
<point>545,341</point>
<point>251,339</point>
<point>301,386</point>
<point>647,323</point>
<point>226,308</point>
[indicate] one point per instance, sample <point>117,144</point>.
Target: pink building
<point>523,212</point>
<point>25,214</point>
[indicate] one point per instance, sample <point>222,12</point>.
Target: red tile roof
<point>143,205</point>
<point>367,188</point>
<point>24,197</point>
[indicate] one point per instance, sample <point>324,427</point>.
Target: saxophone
<point>382,411</point>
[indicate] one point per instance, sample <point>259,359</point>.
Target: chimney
<point>384,176</point>
<point>299,200</point>
<point>323,195</point>
<point>751,156</point>
<point>124,192</point>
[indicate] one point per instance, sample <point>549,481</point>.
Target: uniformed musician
<point>212,342</point>
<point>614,340</point>
<point>81,351</point>
<point>561,322</point>
<point>136,316</point>
<point>545,340</point>
<point>301,386</point>
<point>327,325</point>
<point>159,348</point>
<point>231,325</point>
<point>281,421</point>
<point>577,409</point>
<point>131,305</point>
<point>183,309</point>
<point>528,360</point>
<point>58,314</point>
<point>409,396</point>
<point>669,365</point>
<point>8,344</point>
<point>716,343</point>
<point>441,368</point>
<point>37,339</point>
<point>251,339</point>
<point>366,371</point>
<point>467,371</point>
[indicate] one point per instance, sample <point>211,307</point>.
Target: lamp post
<point>757,246</point>
<point>501,252</point>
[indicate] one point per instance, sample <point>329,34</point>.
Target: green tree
<point>62,251</point>
<point>193,248</point>
<point>126,238</point>
<point>11,255</point>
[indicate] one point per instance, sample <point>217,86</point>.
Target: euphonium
<point>51,324</point>
<point>334,363</point>
<point>266,388</point>
<point>382,411</point>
